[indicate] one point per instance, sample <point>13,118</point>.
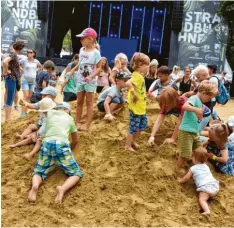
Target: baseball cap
<point>122,75</point>
<point>231,121</point>
<point>64,105</point>
<point>46,104</point>
<point>49,91</point>
<point>212,66</point>
<point>88,32</point>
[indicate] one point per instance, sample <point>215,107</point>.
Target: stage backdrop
<point>202,39</point>
<point>20,22</point>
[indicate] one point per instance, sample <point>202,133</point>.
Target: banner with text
<point>203,37</point>
<point>20,22</point>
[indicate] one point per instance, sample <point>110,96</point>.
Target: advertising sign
<point>20,22</point>
<point>203,37</point>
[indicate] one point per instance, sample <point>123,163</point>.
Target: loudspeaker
<point>177,15</point>
<point>42,10</point>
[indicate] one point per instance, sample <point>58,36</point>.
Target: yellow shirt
<point>138,82</point>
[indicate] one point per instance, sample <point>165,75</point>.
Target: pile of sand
<point>119,188</point>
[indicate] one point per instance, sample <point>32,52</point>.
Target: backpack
<point>223,96</point>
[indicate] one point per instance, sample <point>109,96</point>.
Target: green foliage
<point>226,11</point>
<point>67,42</point>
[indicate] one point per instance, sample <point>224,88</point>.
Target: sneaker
<point>16,107</point>
<point>3,107</point>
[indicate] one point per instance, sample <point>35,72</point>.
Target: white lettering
<point>200,37</point>
<point>37,24</point>
<point>216,19</point>
<point>34,4</point>
<point>192,38</point>
<point>32,14</point>
<point>16,12</point>
<point>198,14</point>
<point>23,13</point>
<point>182,37</point>
<point>10,3</point>
<point>25,4</point>
<point>188,16</point>
<point>206,17</point>
<point>188,27</point>
<point>29,24</point>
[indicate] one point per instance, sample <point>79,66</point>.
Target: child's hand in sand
<point>109,117</point>
<point>151,141</point>
<point>169,141</point>
<point>22,103</point>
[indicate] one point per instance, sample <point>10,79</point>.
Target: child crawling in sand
<point>57,149</point>
<point>36,137</point>
<point>206,184</point>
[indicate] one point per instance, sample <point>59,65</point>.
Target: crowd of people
<point>191,97</point>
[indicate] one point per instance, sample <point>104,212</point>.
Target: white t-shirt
<point>216,82</point>
<point>87,65</point>
<point>202,175</point>
<point>30,70</point>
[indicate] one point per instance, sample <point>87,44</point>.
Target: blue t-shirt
<point>190,122</point>
<point>87,65</point>
<point>112,92</point>
<point>42,76</point>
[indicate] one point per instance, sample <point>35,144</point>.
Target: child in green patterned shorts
<point>56,149</point>
<point>189,139</point>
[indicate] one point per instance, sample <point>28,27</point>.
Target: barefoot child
<point>189,138</point>
<point>47,92</point>
<point>57,149</point>
<point>112,99</point>
<point>46,104</point>
<point>206,184</point>
<point>136,99</point>
<point>170,103</point>
<point>87,76</point>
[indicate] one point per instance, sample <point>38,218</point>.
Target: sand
<point>119,188</point>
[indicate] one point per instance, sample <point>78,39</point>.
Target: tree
<point>67,42</point>
<point>226,11</point>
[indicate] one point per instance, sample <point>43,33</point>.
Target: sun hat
<point>154,62</point>
<point>63,105</point>
<point>231,121</point>
<point>49,91</point>
<point>46,104</point>
<point>52,82</point>
<point>88,32</point>
<point>122,75</point>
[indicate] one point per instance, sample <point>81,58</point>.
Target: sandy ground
<point>118,189</point>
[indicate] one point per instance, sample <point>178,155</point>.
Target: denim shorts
<point>27,86</point>
<point>115,100</point>
<point>83,86</point>
<point>137,123</point>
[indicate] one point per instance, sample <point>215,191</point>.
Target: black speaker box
<point>42,10</point>
<point>177,15</point>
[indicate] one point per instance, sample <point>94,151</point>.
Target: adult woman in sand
<point>152,74</point>
<point>30,67</point>
<point>11,71</point>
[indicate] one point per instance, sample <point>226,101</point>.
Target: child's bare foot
<point>28,156</point>
<point>129,148</point>
<point>32,196</point>
<point>17,135</point>
<point>83,128</point>
<point>78,125</point>
<point>60,194</point>
<point>206,213</point>
<point>12,146</point>
<point>135,145</point>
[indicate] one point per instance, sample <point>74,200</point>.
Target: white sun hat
<point>46,104</point>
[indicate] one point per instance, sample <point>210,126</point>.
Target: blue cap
<point>49,91</point>
<point>64,105</point>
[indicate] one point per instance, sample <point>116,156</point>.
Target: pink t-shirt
<point>103,80</point>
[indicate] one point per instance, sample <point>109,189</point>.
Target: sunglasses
<point>29,52</point>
